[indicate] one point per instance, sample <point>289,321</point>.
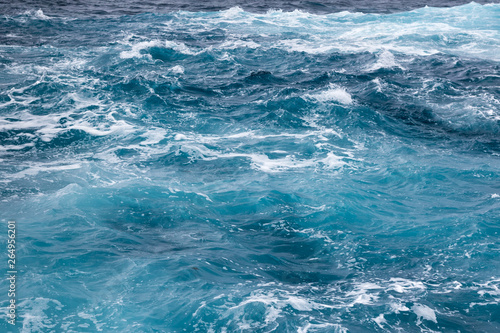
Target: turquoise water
<point>231,171</point>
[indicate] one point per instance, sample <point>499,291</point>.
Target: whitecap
<point>135,51</point>
<point>385,60</point>
<point>333,94</point>
<point>424,312</point>
<point>380,320</point>
<point>177,69</point>
<point>401,285</point>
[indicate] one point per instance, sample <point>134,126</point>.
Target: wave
<point>230,170</point>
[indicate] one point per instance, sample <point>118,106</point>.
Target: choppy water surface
<point>245,171</point>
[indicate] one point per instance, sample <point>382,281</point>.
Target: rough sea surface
<point>193,168</point>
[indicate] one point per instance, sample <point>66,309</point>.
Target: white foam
<point>349,32</point>
<point>425,312</point>
<point>385,60</point>
<point>232,12</point>
<point>179,47</point>
<point>179,137</point>
<point>328,156</point>
<point>272,313</point>
<point>264,163</point>
<point>39,14</point>
<point>93,319</point>
<point>120,126</point>
<point>45,167</point>
<point>300,45</point>
<point>398,307</point>
<point>378,83</point>
<point>16,147</point>
<point>363,294</point>
<point>495,196</point>
<point>333,161</point>
<point>300,304</point>
<point>380,320</point>
<point>403,285</point>
<point>135,52</point>
<point>205,196</point>
<point>153,136</point>
<point>491,287</point>
<point>136,49</point>
<point>49,126</point>
<point>333,94</point>
<point>315,327</point>
<point>34,318</point>
<point>236,44</point>
<point>277,301</point>
<point>177,69</point>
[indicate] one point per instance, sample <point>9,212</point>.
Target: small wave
<point>333,94</point>
<point>385,60</point>
<point>136,49</point>
<point>37,14</point>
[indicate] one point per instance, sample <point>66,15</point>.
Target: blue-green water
<point>230,171</point>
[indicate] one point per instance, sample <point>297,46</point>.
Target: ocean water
<point>251,168</point>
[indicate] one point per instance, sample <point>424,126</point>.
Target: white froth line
<point>31,171</point>
<point>136,49</point>
<point>234,44</point>
<point>337,328</point>
<point>253,135</point>
<point>280,300</point>
<point>16,147</point>
<point>265,164</point>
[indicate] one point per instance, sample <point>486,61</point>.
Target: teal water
<point>231,171</point>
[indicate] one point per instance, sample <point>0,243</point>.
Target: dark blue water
<point>298,167</point>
